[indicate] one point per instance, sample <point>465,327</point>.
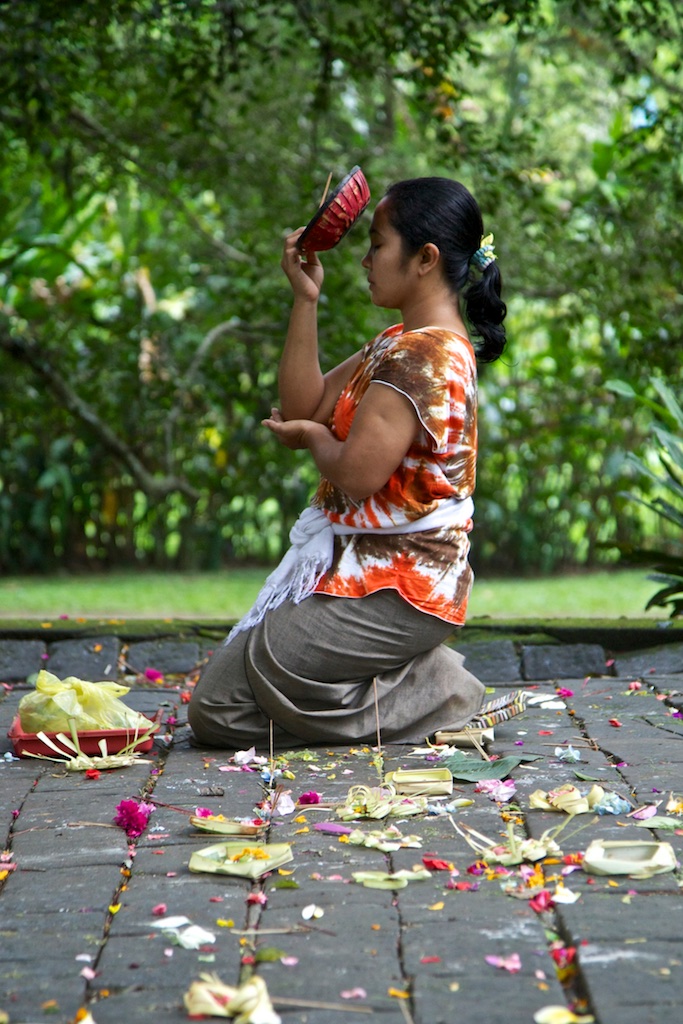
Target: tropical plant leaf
<point>661,821</point>
<point>669,398</point>
<point>466,769</point>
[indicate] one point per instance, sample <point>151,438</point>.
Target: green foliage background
<point>153,154</point>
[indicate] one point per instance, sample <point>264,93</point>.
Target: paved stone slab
<point>648,916</point>
<point>94,659</point>
<point>34,990</point>
<point>172,656</point>
<point>638,984</point>
<point>664,660</point>
<point>371,938</point>
<point>80,895</point>
<point>20,658</point>
<point>507,998</point>
<point>562,661</point>
<point>497,662</point>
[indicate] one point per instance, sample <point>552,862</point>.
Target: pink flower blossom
<point>203,812</point>
<point>544,901</point>
<point>154,675</point>
<point>133,816</point>
<point>310,798</point>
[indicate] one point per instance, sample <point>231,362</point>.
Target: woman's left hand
<point>292,434</point>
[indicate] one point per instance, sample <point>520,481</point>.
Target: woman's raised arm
<point>305,392</point>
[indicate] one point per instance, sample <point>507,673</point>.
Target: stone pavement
<point>79,902</point>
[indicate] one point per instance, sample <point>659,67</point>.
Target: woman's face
<point>391,275</point>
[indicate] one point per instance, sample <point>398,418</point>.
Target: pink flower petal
<point>354,993</point>
<point>542,902</point>
<point>643,813</point>
<point>510,963</point>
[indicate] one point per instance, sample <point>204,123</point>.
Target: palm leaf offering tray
<point>422,781</point>
<point>88,743</point>
<point>464,737</point>
<point>238,859</point>
<point>639,859</point>
<point>219,825</point>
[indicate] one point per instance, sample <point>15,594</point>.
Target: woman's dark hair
<point>443,212</point>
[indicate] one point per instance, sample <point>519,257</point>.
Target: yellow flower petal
<point>560,1015</point>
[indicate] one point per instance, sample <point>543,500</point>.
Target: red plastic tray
<point>25,743</point>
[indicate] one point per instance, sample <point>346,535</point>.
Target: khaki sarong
<point>309,667</point>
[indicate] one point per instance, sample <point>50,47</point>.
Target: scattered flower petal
<point>564,895</point>
<point>560,1015</point>
<point>567,753</point>
<point>435,864</point>
<point>284,805</point>
<point>510,963</point>
<point>542,901</point>
<point>643,813</point>
<point>497,790</point>
<point>312,912</point>
<point>354,993</point>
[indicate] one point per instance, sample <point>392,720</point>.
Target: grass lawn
<point>612,593</point>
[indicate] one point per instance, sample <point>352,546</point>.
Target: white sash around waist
<point>312,549</point>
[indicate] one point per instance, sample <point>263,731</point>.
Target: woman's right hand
<point>304,271</point>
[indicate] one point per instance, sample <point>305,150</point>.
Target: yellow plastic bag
<point>55,704</point>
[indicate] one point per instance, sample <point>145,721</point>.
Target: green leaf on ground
<point>464,767</point>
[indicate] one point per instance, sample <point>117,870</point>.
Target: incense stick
<point>312,1004</point>
<point>327,186</point>
<point>407,1015</point>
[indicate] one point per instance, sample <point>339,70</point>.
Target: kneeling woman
<point>352,624</point>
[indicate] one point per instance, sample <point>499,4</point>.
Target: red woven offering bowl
<point>26,743</point>
<point>337,213</point>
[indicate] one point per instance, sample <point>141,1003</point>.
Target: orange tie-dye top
<point>436,370</point>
